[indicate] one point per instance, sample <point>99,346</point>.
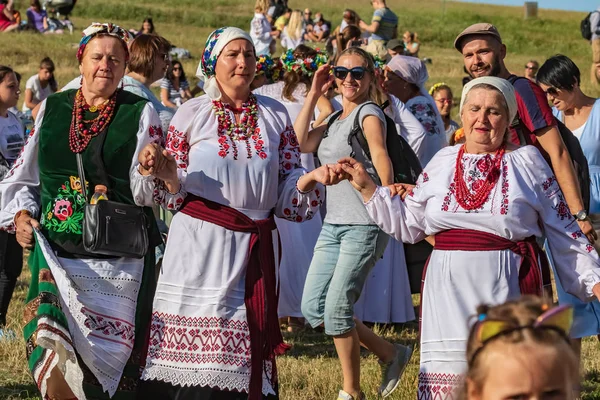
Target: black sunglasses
<point>552,91</point>
<point>357,73</point>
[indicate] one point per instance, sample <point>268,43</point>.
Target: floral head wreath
<point>307,66</point>
<point>436,87</point>
<point>109,29</point>
<point>379,63</point>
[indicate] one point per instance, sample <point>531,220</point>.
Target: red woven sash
<point>260,292</point>
<point>530,271</point>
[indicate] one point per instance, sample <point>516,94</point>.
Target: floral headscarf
<point>110,29</point>
<point>215,43</point>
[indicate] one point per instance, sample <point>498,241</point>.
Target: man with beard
<point>483,53</point>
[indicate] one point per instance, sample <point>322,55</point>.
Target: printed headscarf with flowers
<point>215,43</point>
<point>97,28</point>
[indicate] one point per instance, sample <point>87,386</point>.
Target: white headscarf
<point>504,86</point>
<point>412,70</point>
<point>215,43</point>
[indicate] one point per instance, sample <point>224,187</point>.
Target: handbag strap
<point>81,171</point>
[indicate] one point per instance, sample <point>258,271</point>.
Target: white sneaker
<point>346,396</point>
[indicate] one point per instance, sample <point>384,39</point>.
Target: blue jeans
<point>344,255</point>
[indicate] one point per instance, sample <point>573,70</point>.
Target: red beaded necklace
<point>473,200</point>
<point>82,130</point>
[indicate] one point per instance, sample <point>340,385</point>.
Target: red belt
<point>260,295</point>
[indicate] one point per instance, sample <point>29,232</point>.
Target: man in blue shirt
<point>383,27</point>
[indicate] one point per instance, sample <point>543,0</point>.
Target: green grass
<point>311,370</point>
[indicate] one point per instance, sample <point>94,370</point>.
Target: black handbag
<point>111,228</point>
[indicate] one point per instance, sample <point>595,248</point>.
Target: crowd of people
<point>289,210</point>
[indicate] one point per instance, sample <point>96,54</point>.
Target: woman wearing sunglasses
<point>350,243</point>
<point>486,202</point>
<point>174,88</point>
<point>520,349</point>
<point>560,78</point>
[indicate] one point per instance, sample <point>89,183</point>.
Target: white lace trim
<point>212,379</point>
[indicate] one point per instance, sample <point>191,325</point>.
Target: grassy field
<point>310,371</point>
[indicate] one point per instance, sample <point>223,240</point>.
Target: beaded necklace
<point>473,200</point>
<point>82,130</point>
<point>245,130</point>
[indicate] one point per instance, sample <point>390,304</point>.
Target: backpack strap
<point>331,120</point>
<point>358,132</point>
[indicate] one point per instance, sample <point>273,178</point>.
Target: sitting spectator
<point>350,17</point>
<point>174,88</point>
<point>411,44</point>
<point>293,34</point>
<point>320,30</point>
<point>282,21</point>
<point>40,85</point>
<point>307,19</point>
<point>260,29</point>
<point>531,69</point>
<point>394,47</point>
<point>146,29</point>
<point>37,19</point>
<point>442,94</point>
<point>8,19</point>
<point>383,28</point>
<point>350,37</point>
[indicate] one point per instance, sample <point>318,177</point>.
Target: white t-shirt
<point>39,93</point>
<point>12,140</point>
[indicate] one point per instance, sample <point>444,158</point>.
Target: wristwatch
<point>581,215</point>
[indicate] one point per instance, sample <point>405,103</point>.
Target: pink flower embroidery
<point>63,209</point>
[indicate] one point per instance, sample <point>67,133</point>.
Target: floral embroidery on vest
<point>65,212</point>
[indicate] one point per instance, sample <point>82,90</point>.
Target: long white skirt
<point>456,283</point>
<point>199,334</point>
<point>386,295</point>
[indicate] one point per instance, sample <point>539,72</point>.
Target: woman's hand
<point>400,189</point>
<point>358,177</point>
<point>326,175</point>
<point>156,161</point>
<point>25,226</point>
<point>322,80</point>
<point>596,290</point>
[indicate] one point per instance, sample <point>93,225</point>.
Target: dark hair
<point>291,79</point>
<point>560,72</point>
<point>48,64</point>
<point>170,75</point>
<point>142,52</point>
<point>148,20</point>
<point>353,17</point>
<point>350,32</point>
<point>35,3</point>
<point>5,70</point>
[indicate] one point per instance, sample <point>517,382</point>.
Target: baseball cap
<point>482,28</point>
<point>392,44</point>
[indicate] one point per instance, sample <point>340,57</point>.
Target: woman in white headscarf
<point>404,82</point>
<point>215,332</point>
<point>485,202</point>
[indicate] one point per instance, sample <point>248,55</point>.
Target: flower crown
<point>436,87</point>
<point>272,69</point>
<point>379,63</point>
<point>307,66</point>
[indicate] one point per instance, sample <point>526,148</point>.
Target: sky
<point>571,5</point>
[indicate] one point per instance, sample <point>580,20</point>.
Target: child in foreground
<point>521,350</point>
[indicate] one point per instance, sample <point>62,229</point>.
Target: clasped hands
<point>156,161</point>
<point>348,168</point>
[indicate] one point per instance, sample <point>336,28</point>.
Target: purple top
<point>36,18</point>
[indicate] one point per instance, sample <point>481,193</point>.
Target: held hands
<point>327,175</point>
<point>358,177</point>
<point>400,189</point>
<point>156,161</point>
<point>25,226</point>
